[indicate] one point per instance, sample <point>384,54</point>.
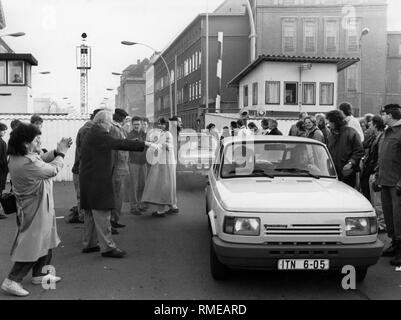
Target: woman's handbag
<point>9,202</point>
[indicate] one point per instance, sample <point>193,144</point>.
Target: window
<point>196,60</point>
<point>331,36</point>
<point>289,35</point>
<point>309,94</point>
<point>246,96</point>
<point>190,92</point>
<point>291,93</point>
<point>255,94</point>
<point>200,89</point>
<point>272,91</point>
<point>16,74</point>
<point>399,81</point>
<point>310,36</point>
<point>172,76</point>
<point>327,94</point>
<point>193,62</point>
<point>185,68</point>
<point>200,58</point>
<point>352,78</point>
<point>353,34</point>
<point>3,73</point>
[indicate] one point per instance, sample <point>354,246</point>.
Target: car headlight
<point>361,226</point>
<point>242,226</point>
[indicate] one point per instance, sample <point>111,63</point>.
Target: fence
<point>222,120</point>
<point>54,128</point>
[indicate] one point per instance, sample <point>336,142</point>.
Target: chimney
<point>138,61</point>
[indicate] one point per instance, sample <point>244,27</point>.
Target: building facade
<point>186,59</point>
<point>331,28</point>
<point>393,83</point>
<point>131,93</point>
<point>284,86</point>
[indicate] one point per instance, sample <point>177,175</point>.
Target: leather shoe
<point>114,231</point>
<point>173,211</point>
<point>115,253</point>
<point>116,225</point>
<point>91,250</point>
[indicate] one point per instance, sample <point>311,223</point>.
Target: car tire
<point>218,270</point>
<point>361,274</point>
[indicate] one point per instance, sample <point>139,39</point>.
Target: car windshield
<point>276,159</point>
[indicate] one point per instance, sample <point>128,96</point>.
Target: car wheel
<point>361,274</point>
<point>219,271</point>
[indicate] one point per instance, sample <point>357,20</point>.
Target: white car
<point>276,203</point>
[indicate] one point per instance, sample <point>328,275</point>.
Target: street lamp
<point>364,32</point>
<point>129,43</point>
<point>15,35</point>
<point>116,74</point>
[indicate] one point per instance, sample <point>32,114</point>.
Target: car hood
<point>290,195</point>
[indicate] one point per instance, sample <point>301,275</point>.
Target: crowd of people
<point>115,153</point>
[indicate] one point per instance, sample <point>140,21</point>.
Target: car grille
<point>303,230</point>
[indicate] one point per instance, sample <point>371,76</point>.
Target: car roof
<point>284,139</point>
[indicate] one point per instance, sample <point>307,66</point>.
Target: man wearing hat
<point>76,215</point>
<point>120,167</point>
<point>389,179</point>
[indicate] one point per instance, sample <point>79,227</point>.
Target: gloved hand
<point>398,188</point>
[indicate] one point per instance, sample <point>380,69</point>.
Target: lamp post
<point>129,43</point>
<point>365,32</point>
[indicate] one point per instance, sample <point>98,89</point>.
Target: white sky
<point>54,29</point>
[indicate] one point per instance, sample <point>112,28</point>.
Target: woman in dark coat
<point>3,163</point>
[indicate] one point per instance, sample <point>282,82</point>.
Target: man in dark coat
<point>3,164</point>
<point>345,147</point>
<point>389,179</point>
<point>95,179</point>
<point>78,215</point>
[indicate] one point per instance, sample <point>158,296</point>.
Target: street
<point>168,259</point>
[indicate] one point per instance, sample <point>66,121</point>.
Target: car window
<point>276,159</point>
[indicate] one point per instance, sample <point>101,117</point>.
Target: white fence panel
<point>222,120</point>
<point>54,128</point>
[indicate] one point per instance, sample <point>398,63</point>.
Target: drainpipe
<point>252,36</point>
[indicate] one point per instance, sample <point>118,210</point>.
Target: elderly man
<point>389,179</point>
<point>78,216</point>
<point>96,183</point>
<point>120,167</point>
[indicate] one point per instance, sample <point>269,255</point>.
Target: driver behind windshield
<point>301,160</point>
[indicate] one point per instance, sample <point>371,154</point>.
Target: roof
<point>19,56</point>
<point>284,139</point>
<point>342,63</point>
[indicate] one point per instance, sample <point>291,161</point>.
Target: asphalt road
<point>169,259</point>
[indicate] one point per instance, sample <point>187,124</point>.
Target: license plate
<point>316,264</point>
